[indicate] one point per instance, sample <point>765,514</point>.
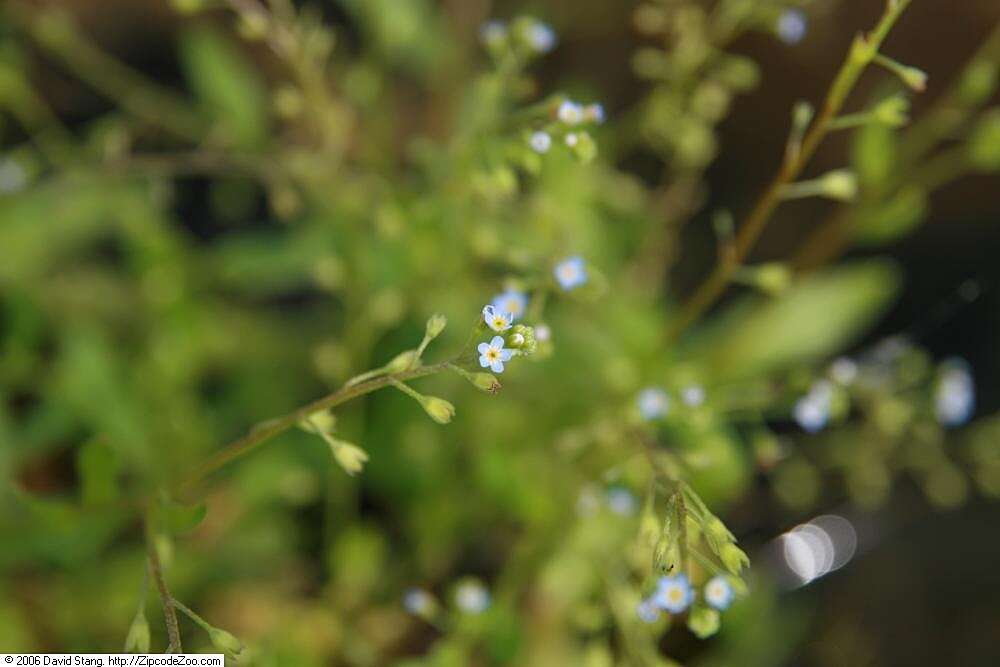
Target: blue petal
<point>497,366</point>
<point>505,355</point>
<point>483,361</point>
<point>483,348</point>
<point>497,342</point>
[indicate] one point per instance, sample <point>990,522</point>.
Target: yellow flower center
<point>676,595</point>
<point>492,354</point>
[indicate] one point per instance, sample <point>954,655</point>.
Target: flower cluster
<point>674,595</point>
<point>499,316</point>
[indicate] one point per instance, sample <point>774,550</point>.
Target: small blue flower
<point>472,597</point>
<point>497,320</point>
<point>541,37</point>
<point>647,611</point>
<point>492,355</point>
<point>955,394</point>
<point>570,113</point>
<point>511,301</point>
<point>572,139</point>
<point>693,395</point>
<point>673,593</point>
<point>493,32</point>
<point>719,593</point>
<point>571,273</point>
<point>540,142</point>
<point>653,403</point>
<point>844,371</point>
<point>594,113</point>
<point>621,501</point>
<point>418,601</point>
<point>812,411</point>
<point>791,26</point>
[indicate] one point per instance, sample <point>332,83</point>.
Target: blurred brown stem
<point>167,600</point>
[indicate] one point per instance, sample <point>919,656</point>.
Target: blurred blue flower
<point>492,32</point>
<point>492,355</point>
<point>571,273</point>
<point>540,142</point>
<point>648,611</point>
<point>541,37</point>
<point>693,395</point>
<point>512,302</point>
<point>472,597</point>
<point>594,113</point>
<point>673,593</point>
<point>792,26</point>
<point>418,601</point>
<point>621,501</point>
<point>653,403</point>
<point>719,593</point>
<point>570,113</point>
<point>812,411</point>
<point>955,394</point>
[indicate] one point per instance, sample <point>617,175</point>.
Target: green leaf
<point>227,85</point>
<point>98,467</point>
<point>814,319</point>
<point>895,218</point>
<point>180,519</point>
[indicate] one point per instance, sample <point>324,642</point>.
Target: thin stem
<point>156,572</point>
<point>273,427</point>
<point>202,623</point>
<point>860,56</point>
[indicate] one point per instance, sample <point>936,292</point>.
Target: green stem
<point>156,572</point>
<point>860,56</point>
<point>271,428</point>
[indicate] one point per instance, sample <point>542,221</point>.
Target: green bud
<point>323,421</point>
<point>840,184</point>
<point>522,338</point>
<point>892,111</point>
<point>439,409</point>
<point>253,26</point>
<point>225,642</point>
<point>403,361</point>
<point>583,147</point>
<point>717,530</point>
<point>435,325</point>
<point>350,457</point>
<point>773,277</point>
<point>703,621</point>
<point>137,640</point>
<point>802,115</point>
<point>486,382</point>
<point>984,142</point>
<point>915,78</point>
<point>733,558</point>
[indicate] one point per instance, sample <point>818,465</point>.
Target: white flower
<point>472,597</point>
<point>673,594</point>
<point>719,593</point>
<point>812,411</point>
<point>540,142</point>
<point>791,26</point>
<point>543,333</point>
<point>497,320</point>
<point>955,394</point>
<point>571,273</point>
<point>492,355</point>
<point>572,139</point>
<point>570,113</point>
<point>844,370</point>
<point>653,403</point>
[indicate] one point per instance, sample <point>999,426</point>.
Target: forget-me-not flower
<point>791,26</point>
<point>719,593</point>
<point>647,611</point>
<point>570,113</point>
<point>540,142</point>
<point>673,593</point>
<point>621,501</point>
<point>496,319</point>
<point>594,113</point>
<point>653,403</point>
<point>541,37</point>
<point>955,394</point>
<point>492,355</point>
<point>418,602</point>
<point>571,273</point>
<point>472,597</point>
<point>492,32</point>
<point>512,302</point>
<point>693,395</point>
<point>812,411</point>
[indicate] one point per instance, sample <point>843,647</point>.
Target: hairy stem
<point>860,56</point>
<point>167,600</point>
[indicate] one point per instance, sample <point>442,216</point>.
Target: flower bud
<point>840,184</point>
<point>438,409</point>
<point>350,457</point>
<point>435,325</point>
<point>773,277</point>
<point>522,338</point>
<point>486,382</point>
<point>137,640</point>
<point>733,558</point>
<point>225,641</point>
<point>403,361</point>
<point>703,622</point>
<point>892,111</point>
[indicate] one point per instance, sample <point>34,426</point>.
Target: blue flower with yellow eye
<point>719,593</point>
<point>571,273</point>
<point>673,594</point>
<point>511,301</point>
<point>496,319</point>
<point>492,355</point>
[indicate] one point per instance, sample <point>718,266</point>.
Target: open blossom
<point>570,113</point>
<point>492,355</point>
<point>719,593</point>
<point>647,611</point>
<point>418,602</point>
<point>955,395</point>
<point>571,273</point>
<point>512,302</point>
<point>594,113</point>
<point>693,395</point>
<point>673,593</point>
<point>541,37</point>
<point>621,501</point>
<point>472,597</point>
<point>812,411</point>
<point>540,142</point>
<point>492,32</point>
<point>496,319</point>
<point>653,403</point>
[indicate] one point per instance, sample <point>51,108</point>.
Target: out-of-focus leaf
<point>180,519</point>
<point>816,318</point>
<point>874,155</point>
<point>98,467</point>
<point>895,218</point>
<point>227,85</point>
